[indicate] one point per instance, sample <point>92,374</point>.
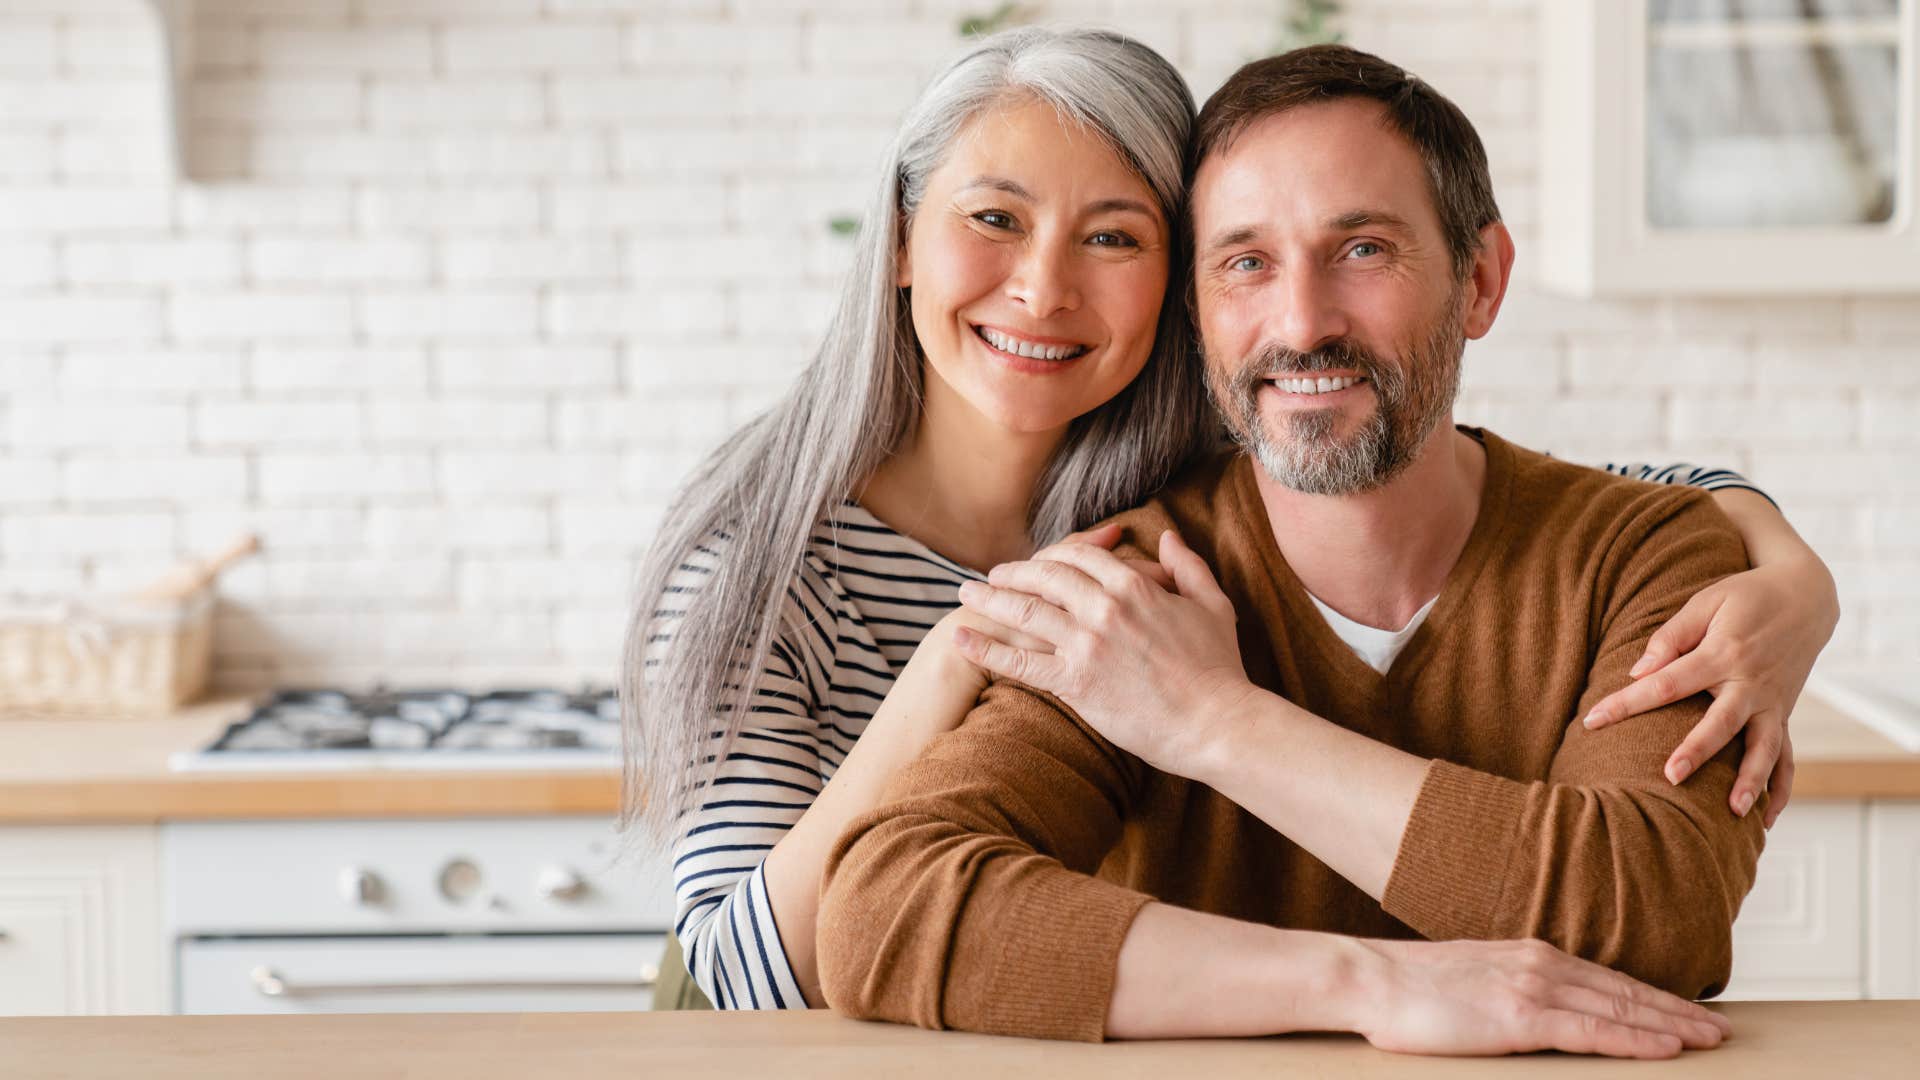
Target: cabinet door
<point>1800,932</point>
<point>80,921</point>
<point>1893,900</point>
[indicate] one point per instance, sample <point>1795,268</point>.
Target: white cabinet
<point>1893,900</point>
<point>1800,931</point>
<point>80,921</point>
<point>1708,146</point>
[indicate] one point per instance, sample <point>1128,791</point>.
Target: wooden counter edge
<point>307,795</point>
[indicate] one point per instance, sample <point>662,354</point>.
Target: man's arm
<point>966,903</point>
<point>1605,858</point>
<point>966,900</point>
<point>1604,843</point>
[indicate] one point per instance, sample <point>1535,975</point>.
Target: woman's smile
<point>1030,355</point>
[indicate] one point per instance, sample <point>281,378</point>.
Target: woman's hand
<point>1751,640</point>
<point>1147,667</point>
<point>958,671</point>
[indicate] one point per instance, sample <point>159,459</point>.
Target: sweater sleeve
<point>1603,858</point>
<point>967,898</point>
<point>1707,477</point>
<point>768,777</point>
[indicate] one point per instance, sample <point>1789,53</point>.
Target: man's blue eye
<point>1249,263</point>
<point>1364,249</point>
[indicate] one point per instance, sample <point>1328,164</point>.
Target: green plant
<point>1309,22</point>
<point>1003,16</point>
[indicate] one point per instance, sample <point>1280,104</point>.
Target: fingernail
<point>1640,665</point>
<point>1593,720</point>
<point>1678,769</point>
<point>969,590</point>
<point>1742,803</point>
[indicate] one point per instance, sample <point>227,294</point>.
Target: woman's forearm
<point>1763,528</point>
<point>934,691</point>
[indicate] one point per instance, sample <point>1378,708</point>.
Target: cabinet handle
<point>271,983</point>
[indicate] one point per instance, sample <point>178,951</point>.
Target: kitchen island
<point>1855,1040</point>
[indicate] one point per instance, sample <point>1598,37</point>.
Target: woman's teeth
<point>1018,347</point>
<point>1315,386</point>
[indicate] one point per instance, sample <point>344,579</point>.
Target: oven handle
<point>271,983</point>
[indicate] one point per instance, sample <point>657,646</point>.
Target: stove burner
<point>428,721</point>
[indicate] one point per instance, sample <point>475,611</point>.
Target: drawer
<point>505,973</point>
<point>1800,934</point>
<point>461,875</point>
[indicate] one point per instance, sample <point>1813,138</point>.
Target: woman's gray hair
<point>765,489</point>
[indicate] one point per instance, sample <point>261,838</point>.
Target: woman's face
<point>1037,263</point>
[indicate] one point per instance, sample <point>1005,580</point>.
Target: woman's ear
<point>903,265</point>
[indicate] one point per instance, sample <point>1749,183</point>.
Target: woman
<point>1003,368</point>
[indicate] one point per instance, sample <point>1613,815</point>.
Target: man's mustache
<point>1275,361</point>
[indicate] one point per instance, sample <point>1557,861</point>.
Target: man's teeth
<point>1315,386</point>
<point>1006,343</point>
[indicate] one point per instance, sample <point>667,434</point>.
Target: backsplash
<point>460,288</point>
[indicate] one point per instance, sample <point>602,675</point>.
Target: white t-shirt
<point>1376,646</point>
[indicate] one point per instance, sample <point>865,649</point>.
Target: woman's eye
<point>1114,239</point>
<point>994,219</point>
<point>1247,263</point>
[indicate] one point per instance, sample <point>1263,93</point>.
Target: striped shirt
<point>864,598</point>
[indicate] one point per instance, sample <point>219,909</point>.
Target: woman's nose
<point>1043,279</point>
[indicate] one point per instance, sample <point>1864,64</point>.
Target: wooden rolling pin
<point>190,577</point>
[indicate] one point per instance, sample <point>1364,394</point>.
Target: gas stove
<point>419,729</point>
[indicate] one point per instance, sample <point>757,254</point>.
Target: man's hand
<point>1150,669</point>
<point>1513,997</point>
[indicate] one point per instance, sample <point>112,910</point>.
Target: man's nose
<point>1043,280</point>
<point>1311,314</point>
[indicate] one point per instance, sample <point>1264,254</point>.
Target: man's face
<point>1329,309</point>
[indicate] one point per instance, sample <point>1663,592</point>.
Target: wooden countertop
<point>67,769</point>
<point>73,769</point>
<point>1853,1039</point>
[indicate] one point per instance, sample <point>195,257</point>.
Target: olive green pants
<point>675,989</point>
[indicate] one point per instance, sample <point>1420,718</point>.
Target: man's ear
<point>1487,279</point>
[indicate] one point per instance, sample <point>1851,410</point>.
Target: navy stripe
<point>773,983</point>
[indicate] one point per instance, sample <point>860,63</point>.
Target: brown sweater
<point>993,888</point>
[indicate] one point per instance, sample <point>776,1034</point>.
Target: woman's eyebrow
<point>998,183</point>
<point>1014,188</point>
<point>1110,205</point>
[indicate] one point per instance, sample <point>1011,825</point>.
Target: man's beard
<point>1410,401</point>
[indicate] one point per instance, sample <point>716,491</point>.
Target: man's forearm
<point>1188,974</point>
<point>1343,797</point>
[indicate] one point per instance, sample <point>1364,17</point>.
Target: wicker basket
<point>92,654</point>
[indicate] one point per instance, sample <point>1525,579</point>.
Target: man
<point>1173,826</point>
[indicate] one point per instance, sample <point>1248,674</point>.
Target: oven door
<point>440,973</point>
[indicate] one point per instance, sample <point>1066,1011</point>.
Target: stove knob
<point>559,884</point>
<point>361,887</point>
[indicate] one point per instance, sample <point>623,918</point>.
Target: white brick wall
<point>463,286</point>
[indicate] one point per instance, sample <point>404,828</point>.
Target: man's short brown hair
<point>1456,161</point>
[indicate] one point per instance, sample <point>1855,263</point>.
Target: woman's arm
<point>1750,639</point>
<point>934,691</point>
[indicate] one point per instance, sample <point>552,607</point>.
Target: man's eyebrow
<point>1356,219</point>
<point>1232,237</point>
